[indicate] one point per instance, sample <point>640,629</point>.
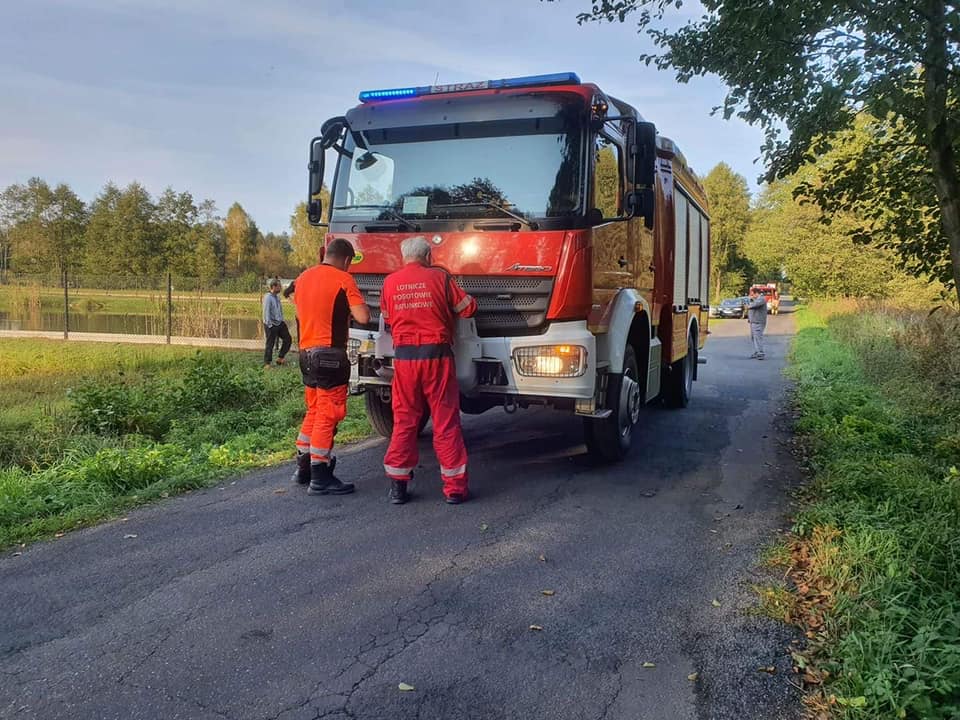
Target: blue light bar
<point>526,81</point>
<point>391,94</point>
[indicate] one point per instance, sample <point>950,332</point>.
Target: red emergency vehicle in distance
<point>772,295</point>
<point>581,232</point>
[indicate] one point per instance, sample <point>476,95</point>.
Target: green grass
<point>87,429</point>
<point>878,392</point>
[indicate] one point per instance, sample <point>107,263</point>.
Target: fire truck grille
<point>506,305</point>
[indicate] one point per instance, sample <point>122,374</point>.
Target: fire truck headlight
<point>353,350</point>
<point>560,361</point>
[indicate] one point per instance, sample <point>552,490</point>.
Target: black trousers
<point>281,332</point>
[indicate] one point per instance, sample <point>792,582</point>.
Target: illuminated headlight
<point>561,361</point>
<point>353,350</point>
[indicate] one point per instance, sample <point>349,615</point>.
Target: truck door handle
<point>622,262</point>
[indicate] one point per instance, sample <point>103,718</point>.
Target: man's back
<point>323,298</point>
<point>419,304</point>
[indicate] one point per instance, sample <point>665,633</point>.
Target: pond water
<point>235,328</point>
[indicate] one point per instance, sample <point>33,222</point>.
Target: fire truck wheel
<point>679,381</point>
<point>609,439</point>
<point>380,415</point>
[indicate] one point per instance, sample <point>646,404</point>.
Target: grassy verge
<point>876,554</point>
<point>87,430</point>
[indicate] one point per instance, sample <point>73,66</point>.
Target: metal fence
<point>163,308</point>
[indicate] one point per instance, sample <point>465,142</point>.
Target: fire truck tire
<point>608,439</point>
<point>679,380</point>
<point>380,415</point>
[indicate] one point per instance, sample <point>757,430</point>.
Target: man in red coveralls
<point>421,304</point>
<point>326,296</point>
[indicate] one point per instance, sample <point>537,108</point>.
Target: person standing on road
<point>421,304</point>
<point>326,296</point>
<point>757,317</point>
<point>274,327</point>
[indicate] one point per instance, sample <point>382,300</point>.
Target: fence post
<point>169,307</point>
<point>66,305</point>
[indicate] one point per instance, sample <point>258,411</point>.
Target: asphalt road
<point>254,600</point>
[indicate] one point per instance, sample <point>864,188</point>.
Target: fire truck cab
<point>581,232</point>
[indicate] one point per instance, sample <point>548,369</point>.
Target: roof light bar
<point>526,81</point>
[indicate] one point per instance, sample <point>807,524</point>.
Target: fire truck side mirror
<point>645,159</point>
<point>640,203</point>
<point>315,169</point>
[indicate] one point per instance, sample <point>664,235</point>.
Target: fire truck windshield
<point>529,168</point>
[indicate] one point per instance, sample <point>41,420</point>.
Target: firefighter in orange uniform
<point>421,304</point>
<point>326,296</point>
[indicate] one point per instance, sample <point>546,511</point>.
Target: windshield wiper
<point>533,225</point>
<point>404,223</point>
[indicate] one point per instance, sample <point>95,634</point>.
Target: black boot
<point>398,492</point>
<point>324,482</point>
<point>301,475</point>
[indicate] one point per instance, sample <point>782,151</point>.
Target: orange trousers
<point>325,408</point>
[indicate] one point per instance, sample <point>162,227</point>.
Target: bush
<point>113,408</point>
<point>214,383</point>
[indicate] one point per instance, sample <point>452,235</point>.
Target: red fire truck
<point>582,233</point>
<point>771,292</point>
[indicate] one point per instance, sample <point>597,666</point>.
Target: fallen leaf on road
<point>129,536</point>
<point>542,558</point>
<point>124,519</point>
<point>649,665</point>
<point>692,677</point>
<point>483,527</point>
<point>403,687</point>
<point>771,669</point>
<point>536,627</point>
<point>279,491</point>
<point>58,535</point>
<point>715,532</point>
<point>715,602</point>
<point>548,593</point>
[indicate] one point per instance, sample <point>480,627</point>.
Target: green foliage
<point>138,424</point>
<point>212,382</point>
<point>879,398</point>
<point>305,239</point>
<point>877,170</point>
<point>114,408</point>
<point>821,258</point>
<point>729,219</point>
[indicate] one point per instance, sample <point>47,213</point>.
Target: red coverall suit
<point>324,295</point>
<point>421,304</point>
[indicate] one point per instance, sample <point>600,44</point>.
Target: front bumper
<point>478,360</point>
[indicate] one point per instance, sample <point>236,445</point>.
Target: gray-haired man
<point>757,317</point>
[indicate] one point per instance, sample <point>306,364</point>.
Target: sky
<point>220,98</point>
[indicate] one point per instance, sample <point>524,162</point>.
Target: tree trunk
<point>939,138</point>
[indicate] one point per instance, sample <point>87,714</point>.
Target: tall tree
<point>44,227</point>
<point>209,241</point>
<point>729,218</point>
<point>306,239</point>
<point>241,235</point>
<point>176,216</point>
<point>811,67</point>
